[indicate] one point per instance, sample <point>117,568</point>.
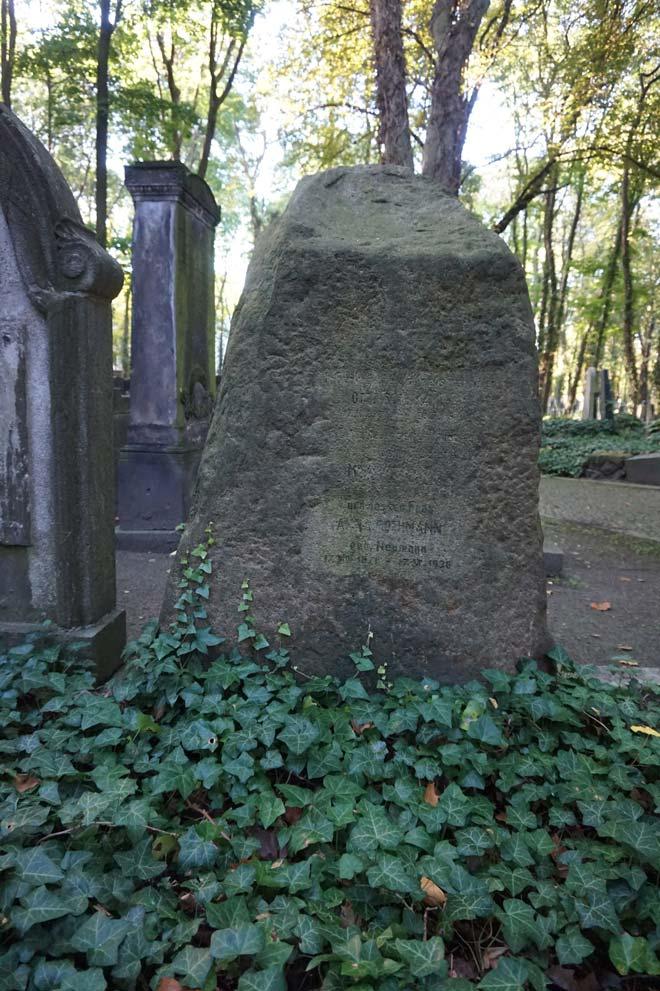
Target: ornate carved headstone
<point>56,457</point>
<point>173,351</point>
<point>371,464</point>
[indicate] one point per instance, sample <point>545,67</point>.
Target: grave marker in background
<point>173,351</point>
<point>56,453</point>
<point>372,462</point>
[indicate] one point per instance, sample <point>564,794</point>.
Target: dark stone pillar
<point>173,351</point>
<point>56,452</point>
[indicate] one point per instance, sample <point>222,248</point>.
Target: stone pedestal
<point>56,449</point>
<point>590,393</point>
<point>173,351</point>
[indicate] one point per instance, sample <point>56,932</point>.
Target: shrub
<point>229,824</point>
<point>566,445</point>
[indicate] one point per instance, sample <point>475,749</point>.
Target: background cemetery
<point>429,446</point>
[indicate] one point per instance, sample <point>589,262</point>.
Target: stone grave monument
<point>57,559</point>
<point>598,402</point>
<point>372,462</point>
<point>173,351</point>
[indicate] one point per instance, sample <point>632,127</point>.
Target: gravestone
<point>605,405</point>
<point>371,464</point>
<point>56,458</point>
<point>589,405</point>
<point>172,353</point>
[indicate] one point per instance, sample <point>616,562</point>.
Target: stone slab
<point>553,560</point>
<point>104,640</point>
<point>155,486</point>
<point>643,469</point>
<point>159,541</point>
<point>371,464</point>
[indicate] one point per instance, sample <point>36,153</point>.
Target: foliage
<point>222,822</point>
<point>566,445</point>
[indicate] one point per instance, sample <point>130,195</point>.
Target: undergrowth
<point>215,820</point>
<point>566,445</point>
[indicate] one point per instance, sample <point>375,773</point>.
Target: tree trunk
<point>568,255</point>
<point>102,118</point>
<point>454,25</point>
<point>175,95</point>
<point>549,347</point>
<point>628,294</point>
<point>391,96</point>
<point>7,48</point>
<point>217,74</point>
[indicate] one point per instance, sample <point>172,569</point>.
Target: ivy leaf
<point>598,913</point>
<point>195,852</point>
<point>520,926</point>
<point>270,979</point>
<point>140,862</point>
<point>454,805</point>
<point>298,734</point>
<point>640,836</point>
<point>572,948</point>
<point>374,829</point>
<point>228,944</point>
<point>390,872</point>
<point>270,808</point>
<point>35,867</point>
<point>424,958</point>
<point>40,905</point>
<point>194,964</point>
<point>486,730</point>
<point>509,975</point>
<point>633,955</point>
<point>99,937</point>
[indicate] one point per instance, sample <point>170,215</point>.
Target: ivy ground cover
<point>229,824</point>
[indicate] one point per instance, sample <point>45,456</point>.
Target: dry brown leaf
<point>601,606</point>
<point>431,796</point>
<point>623,646</point>
<point>433,894</point>
<point>622,578</point>
<point>25,782</point>
<point>628,664</point>
<point>492,955</point>
<point>170,984</point>
<point>293,814</point>
<point>359,728</point>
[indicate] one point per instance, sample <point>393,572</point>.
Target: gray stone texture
<point>589,404</point>
<point>371,464</point>
<point>173,349</point>
<point>644,469</point>
<point>56,451</point>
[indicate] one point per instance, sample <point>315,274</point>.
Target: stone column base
<point>104,640</point>
<point>155,489</point>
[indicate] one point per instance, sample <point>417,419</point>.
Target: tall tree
<point>109,20</point>
<point>454,27</point>
<point>391,96</point>
<point>7,48</point>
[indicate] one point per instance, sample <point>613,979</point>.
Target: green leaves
<point>423,958</point>
<point>225,818</point>
<point>229,944</point>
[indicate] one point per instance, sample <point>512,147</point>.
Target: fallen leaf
<point>494,704</point>
<point>623,646</point>
<point>431,796</point>
<point>25,782</point>
<point>628,663</point>
<point>648,730</point>
<point>624,579</point>
<point>293,814</point>
<point>434,895</point>
<point>492,955</point>
<point>170,984</point>
<point>359,728</point>
<point>601,606</point>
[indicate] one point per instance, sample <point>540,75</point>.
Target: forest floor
<point>610,535</point>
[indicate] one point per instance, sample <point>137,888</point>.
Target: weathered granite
<point>56,452</point>
<point>371,464</point>
<point>644,469</point>
<point>173,349</point>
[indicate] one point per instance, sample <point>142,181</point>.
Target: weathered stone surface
<point>644,469</point>
<point>371,464</point>
<point>173,350</point>
<point>56,453</point>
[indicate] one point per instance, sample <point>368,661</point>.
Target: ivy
<point>211,819</point>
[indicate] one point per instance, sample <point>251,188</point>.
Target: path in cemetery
<point>612,555</point>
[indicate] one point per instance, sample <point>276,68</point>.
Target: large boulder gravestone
<point>56,452</point>
<point>371,465</point>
